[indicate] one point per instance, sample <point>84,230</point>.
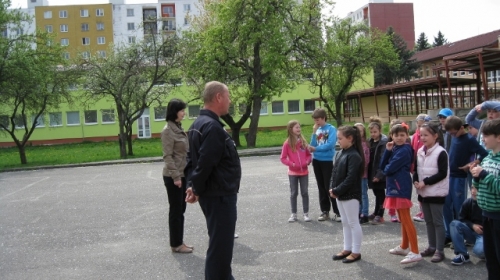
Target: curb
<point>241,153</point>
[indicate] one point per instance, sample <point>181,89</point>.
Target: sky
<point>456,19</point>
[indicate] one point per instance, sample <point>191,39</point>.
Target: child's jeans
<point>363,207</point>
<point>454,200</point>
<point>294,192</point>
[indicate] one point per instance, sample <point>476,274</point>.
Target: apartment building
<point>382,14</point>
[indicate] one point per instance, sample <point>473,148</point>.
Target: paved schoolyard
<point>110,222</point>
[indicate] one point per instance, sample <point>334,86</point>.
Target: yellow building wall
<point>74,22</point>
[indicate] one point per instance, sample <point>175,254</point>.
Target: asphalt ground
<point>110,222</point>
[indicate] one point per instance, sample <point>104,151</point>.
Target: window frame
<point>103,40</point>
<point>305,107</point>
<point>84,25</point>
<point>65,40</point>
<point>86,40</point>
<point>84,12</point>
<point>108,112</point>
<point>47,14</point>
<point>102,54</point>
<point>298,105</point>
<point>264,107</point>
<point>282,107</point>
<point>131,39</point>
<point>49,28</point>
<point>51,119</point>
<point>65,29</point>
<point>68,118</point>
<point>85,114</point>
<point>160,111</point>
<point>191,116</point>
<point>100,26</point>
<point>97,14</point>
<point>39,118</point>
<point>64,14</point>
<point>130,24</point>
<point>130,14</point>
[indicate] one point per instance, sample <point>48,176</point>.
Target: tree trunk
<point>123,140</point>
<point>235,134</point>
<point>254,122</point>
<point>129,141</point>
<point>338,111</point>
<point>22,153</point>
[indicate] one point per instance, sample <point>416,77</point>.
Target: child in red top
<point>297,157</point>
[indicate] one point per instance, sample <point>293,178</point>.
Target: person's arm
<point>472,120</point>
<point>330,142</point>
<point>379,174</point>
<point>308,156</point>
<point>490,105</point>
<point>284,154</point>
<point>399,159</point>
<point>415,174</point>
<point>353,163</point>
<point>465,215</point>
<point>385,159</point>
<point>442,170</point>
<point>211,150</point>
<point>491,181</point>
<point>167,141</point>
<point>314,141</point>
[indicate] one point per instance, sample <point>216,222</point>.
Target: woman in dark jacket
<point>376,178</point>
<point>175,147</point>
<point>345,186</point>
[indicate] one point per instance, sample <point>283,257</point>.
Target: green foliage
<point>34,77</point>
<point>406,69</point>
<point>422,43</point>
<point>249,45</point>
<point>439,40</point>
<point>347,53</point>
<point>129,76</point>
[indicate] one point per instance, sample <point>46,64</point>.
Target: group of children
<point>435,162</point>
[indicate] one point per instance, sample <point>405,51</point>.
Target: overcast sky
<point>456,19</point>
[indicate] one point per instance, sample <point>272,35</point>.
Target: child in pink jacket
<point>297,157</point>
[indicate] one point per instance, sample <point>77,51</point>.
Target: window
<point>48,28</point>
<point>102,54</point>
<point>47,14</point>
<point>101,40</point>
<point>84,13</point>
<point>263,108</point>
<point>194,111</point>
<point>187,7</point>
<point>100,26</point>
<point>168,25</point>
<point>130,12</point>
<point>18,121</point>
<point>4,121</point>
<point>63,28</point>
<point>63,14</point>
<point>186,21</point>
<point>66,55</point>
<point>85,41</point>
<point>293,106</point>
<point>309,105</point>
<point>90,117</point>
<point>33,1</point>
<point>455,73</point>
<point>99,12</point>
<point>85,27</point>
<point>55,119</point>
<point>18,31</point>
<point>64,42</point>
<point>130,26</point>
<point>277,107</point>
<point>85,55</point>
<point>462,73</point>
<point>4,33</point>
<point>168,11</point>
<point>73,118</point>
<point>160,113</point>
<point>108,116</point>
<point>38,122</point>
<point>131,39</point>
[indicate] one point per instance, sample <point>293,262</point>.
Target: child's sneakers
<point>419,217</point>
<point>306,218</point>
<point>411,257</point>
<point>400,251</point>
<point>394,219</point>
<point>377,220</point>
<point>293,218</point>
<point>460,259</point>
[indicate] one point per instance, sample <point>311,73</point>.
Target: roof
<point>489,39</point>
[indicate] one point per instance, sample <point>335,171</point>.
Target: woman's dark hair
<point>353,131</point>
<point>434,129</point>
<point>173,107</point>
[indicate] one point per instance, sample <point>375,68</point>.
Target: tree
<point>133,77</point>
<point>422,43</point>
<point>34,78</point>
<point>406,69</point>
<point>249,45</point>
<point>439,40</point>
<point>348,52</point>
